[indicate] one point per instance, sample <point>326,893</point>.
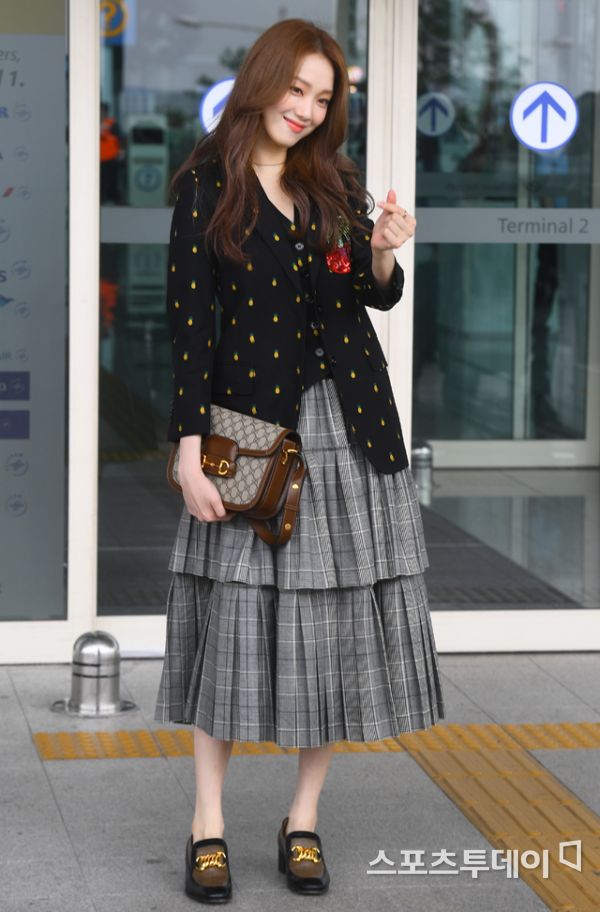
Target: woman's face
<point>304,106</point>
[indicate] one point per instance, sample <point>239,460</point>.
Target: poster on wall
<point>33,311</point>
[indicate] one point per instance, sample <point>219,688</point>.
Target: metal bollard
<point>95,674</point>
<point>422,470</point>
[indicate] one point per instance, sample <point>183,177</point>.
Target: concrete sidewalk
<point>109,834</point>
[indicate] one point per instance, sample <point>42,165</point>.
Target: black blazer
<point>238,330</point>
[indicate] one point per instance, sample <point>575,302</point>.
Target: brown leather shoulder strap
<point>290,510</point>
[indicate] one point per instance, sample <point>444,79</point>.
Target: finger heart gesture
<point>394,226</point>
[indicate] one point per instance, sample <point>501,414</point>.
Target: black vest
<point>316,362</point>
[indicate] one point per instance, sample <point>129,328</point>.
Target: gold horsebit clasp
<point>308,853</point>
<point>222,465</point>
<point>211,860</point>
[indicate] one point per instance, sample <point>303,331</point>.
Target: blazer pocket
<point>234,380</point>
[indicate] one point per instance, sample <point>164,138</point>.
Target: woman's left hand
<point>393,227</point>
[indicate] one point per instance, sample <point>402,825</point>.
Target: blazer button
<point>332,359</point>
<point>308,296</point>
<point>319,351</point>
<point>315,324</point>
<point>299,245</point>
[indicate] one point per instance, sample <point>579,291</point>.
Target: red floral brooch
<point>338,259</point>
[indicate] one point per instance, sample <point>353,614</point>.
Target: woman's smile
<point>296,127</point>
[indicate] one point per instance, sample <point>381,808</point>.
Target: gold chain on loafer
<point>305,853</point>
<point>211,860</point>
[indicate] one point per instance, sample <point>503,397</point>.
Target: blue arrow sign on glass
<point>544,101</point>
<point>435,113</point>
<point>544,116</point>
<point>434,106</point>
<point>213,103</point>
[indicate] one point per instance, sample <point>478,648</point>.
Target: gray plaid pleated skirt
<point>325,638</point>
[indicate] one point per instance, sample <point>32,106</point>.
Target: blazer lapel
<point>268,227</point>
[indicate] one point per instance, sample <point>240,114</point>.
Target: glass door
<point>507,264</point>
<point>35,611</point>
<point>161,77</point>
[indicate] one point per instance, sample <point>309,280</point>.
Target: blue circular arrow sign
<point>544,116</point>
<point>435,113</point>
<point>212,104</point>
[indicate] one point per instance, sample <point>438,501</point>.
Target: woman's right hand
<point>201,496</point>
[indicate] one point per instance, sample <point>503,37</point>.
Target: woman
<point>327,637</point>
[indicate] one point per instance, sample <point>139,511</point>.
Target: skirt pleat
<point>326,638</point>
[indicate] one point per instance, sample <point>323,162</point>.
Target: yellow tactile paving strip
<point>88,745</point>
<point>517,804</point>
<point>178,742</point>
<point>486,770</point>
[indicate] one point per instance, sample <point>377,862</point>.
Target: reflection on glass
<point>501,329</point>
<point>156,74</point>
<point>463,352</point>
<point>34,324</point>
<point>111,156</point>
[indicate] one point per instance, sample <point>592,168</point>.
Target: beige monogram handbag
<point>256,466</point>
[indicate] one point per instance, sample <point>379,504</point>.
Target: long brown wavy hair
<point>314,168</point>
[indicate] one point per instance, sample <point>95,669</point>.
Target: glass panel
<point>33,312</point>
<point>156,69</point>
<point>501,328</point>
<point>523,538</point>
<point>463,351</point>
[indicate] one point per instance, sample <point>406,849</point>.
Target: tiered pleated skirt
<point>323,639</point>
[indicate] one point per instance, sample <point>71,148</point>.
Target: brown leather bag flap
<point>219,455</point>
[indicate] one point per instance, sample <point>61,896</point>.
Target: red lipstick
<point>296,127</point>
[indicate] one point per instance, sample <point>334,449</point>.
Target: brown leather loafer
<point>301,860</point>
<point>207,875</point>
